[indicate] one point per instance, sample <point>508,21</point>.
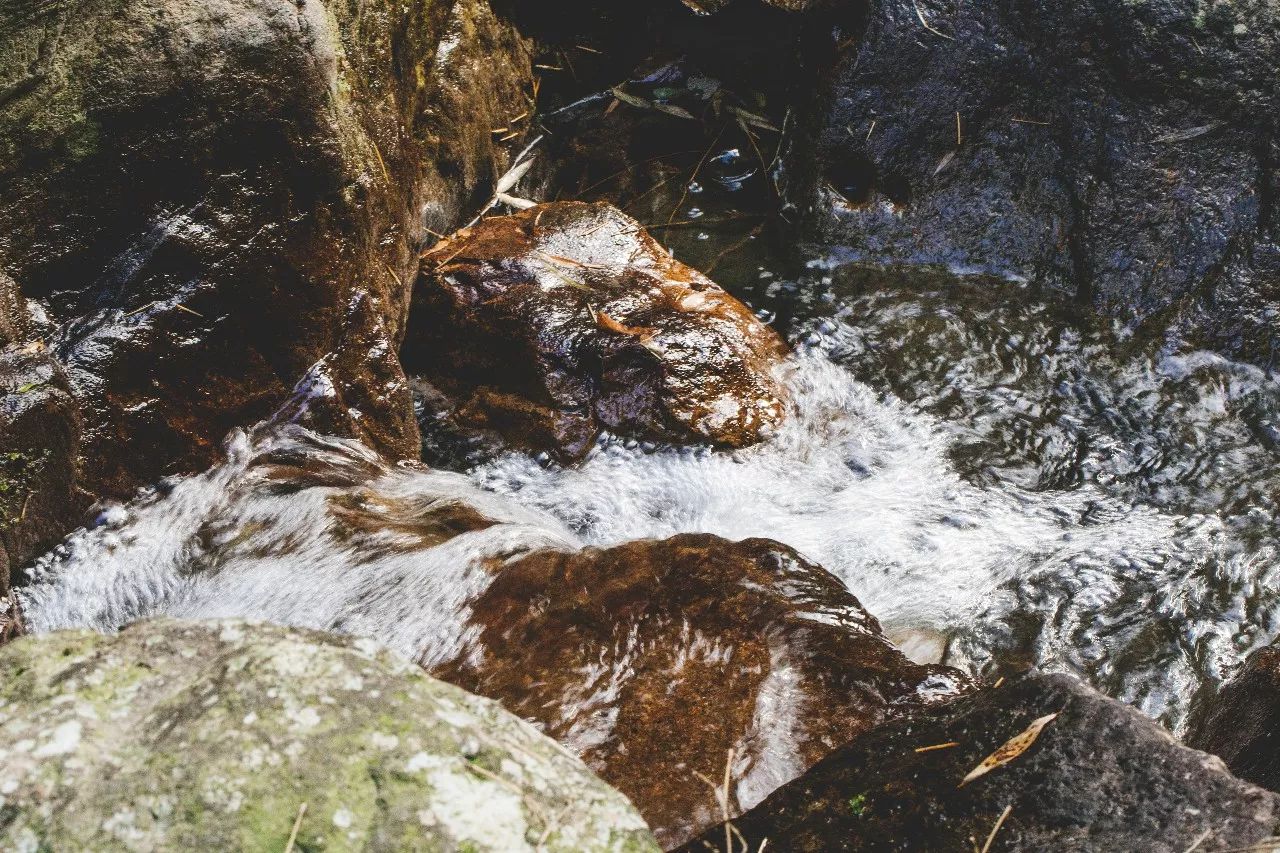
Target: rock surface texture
<point>1099,777</point>
<point>550,325</point>
<point>654,660</point>
<point>213,735</point>
<point>40,430</point>
<point>1241,725</point>
<point>210,197</point>
<point>1123,152</point>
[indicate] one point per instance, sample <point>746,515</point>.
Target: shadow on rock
<point>1099,777</point>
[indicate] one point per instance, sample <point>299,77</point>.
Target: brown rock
<point>653,659</point>
<point>1241,725</point>
<point>39,445</point>
<point>211,196</point>
<point>565,319</point>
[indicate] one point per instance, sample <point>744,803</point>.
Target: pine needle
<point>936,746</point>
<point>999,823</point>
<point>925,24</point>
<point>297,824</point>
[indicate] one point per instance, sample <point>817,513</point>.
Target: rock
<point>40,430</point>
<point>650,659</point>
<point>216,735</point>
<point>555,323</point>
<point>212,197</point>
<point>1241,725</point>
<point>1100,777</point>
<point>1122,153</point>
<point>658,660</point>
<point>13,313</point>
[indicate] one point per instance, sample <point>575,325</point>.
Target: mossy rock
<point>217,735</point>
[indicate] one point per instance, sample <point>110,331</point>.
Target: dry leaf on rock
<point>1012,748</point>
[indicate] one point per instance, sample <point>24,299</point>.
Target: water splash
<point>977,470</point>
<point>298,530</point>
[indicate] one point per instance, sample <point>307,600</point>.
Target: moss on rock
<point>214,735</point>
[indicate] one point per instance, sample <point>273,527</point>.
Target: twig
<point>1195,845</point>
<point>696,169</point>
<point>182,307</point>
<point>870,130</point>
<point>999,823</point>
<point>1029,121</point>
<point>394,274</point>
<point>140,310</point>
<point>946,745</point>
<point>959,135</point>
<point>297,824</point>
<point>386,176</point>
<point>925,24</point>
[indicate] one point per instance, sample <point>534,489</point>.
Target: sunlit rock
<point>231,736</point>
<point>1100,776</point>
<point>651,660</point>
<point>665,664</point>
<point>550,325</point>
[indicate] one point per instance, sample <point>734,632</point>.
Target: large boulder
<point>1241,725</point>
<point>657,661</point>
<point>211,197</point>
<point>1099,777</point>
<point>1121,152</point>
<point>565,319</point>
<point>652,660</point>
<point>230,736</point>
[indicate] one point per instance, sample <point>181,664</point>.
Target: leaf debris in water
<point>1012,748</point>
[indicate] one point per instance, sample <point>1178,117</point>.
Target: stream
<point>1000,479</point>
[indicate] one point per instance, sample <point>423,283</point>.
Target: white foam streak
<point>858,482</point>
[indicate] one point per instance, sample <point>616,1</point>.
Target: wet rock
<point>211,197</point>
<point>567,318</point>
<point>650,659</point>
<point>1120,152</point>
<point>1100,776</point>
<point>13,313</point>
<point>657,661</point>
<point>1241,725</point>
<point>40,429</point>
<point>217,735</point>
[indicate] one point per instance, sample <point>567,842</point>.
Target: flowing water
<point>1001,482</point>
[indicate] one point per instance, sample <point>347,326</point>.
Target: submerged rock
<point>211,196</point>
<point>222,735</point>
<point>1100,777</point>
<point>550,325</point>
<point>660,661</point>
<point>1241,725</point>
<point>1121,152</point>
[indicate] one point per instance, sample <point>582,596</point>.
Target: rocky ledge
<point>1099,776</point>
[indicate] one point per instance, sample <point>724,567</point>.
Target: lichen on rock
<point>215,736</point>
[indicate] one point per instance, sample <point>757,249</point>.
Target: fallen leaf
<point>1012,748</point>
<point>621,328</point>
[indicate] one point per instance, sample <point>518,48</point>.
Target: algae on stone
<point>212,735</point>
